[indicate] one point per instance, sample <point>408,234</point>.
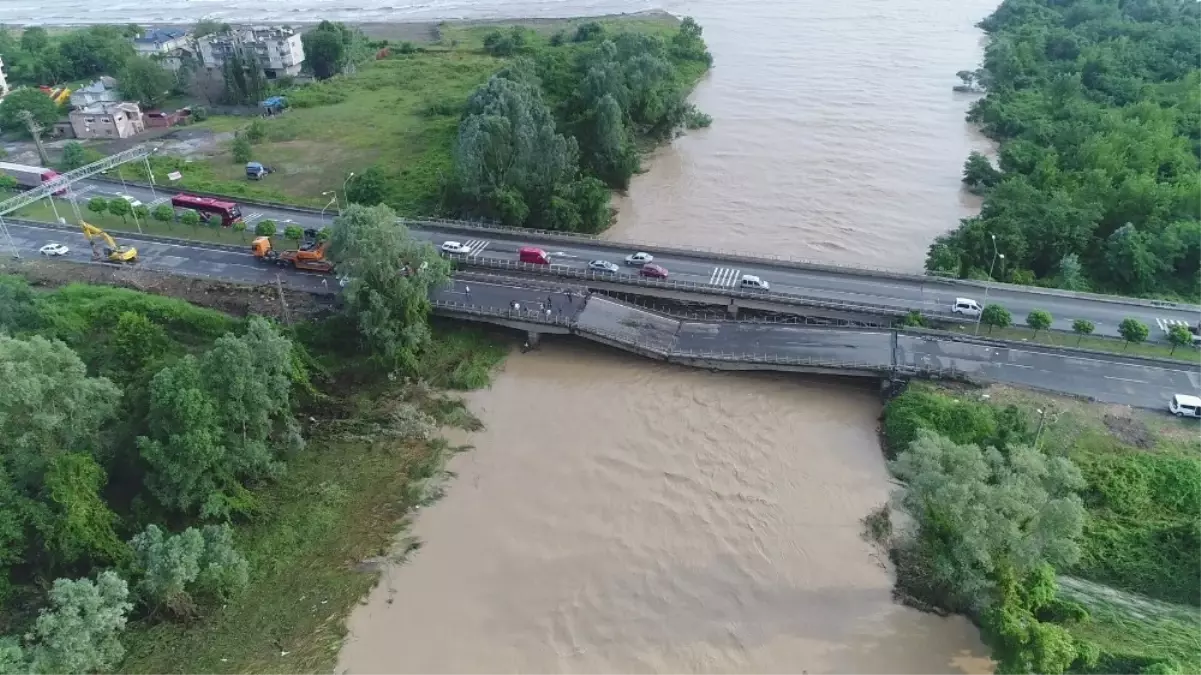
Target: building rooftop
<point>159,35</point>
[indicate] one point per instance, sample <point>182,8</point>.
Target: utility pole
<point>35,130</point>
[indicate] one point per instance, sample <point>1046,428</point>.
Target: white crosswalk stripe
<point>252,218</point>
<point>159,201</point>
<point>1165,325</point>
<point>724,276</point>
<point>477,246</point>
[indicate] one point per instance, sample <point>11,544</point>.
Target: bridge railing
<point>790,299</point>
<point>543,317</point>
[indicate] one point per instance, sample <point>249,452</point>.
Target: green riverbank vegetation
<point>1097,109</point>
<point>1069,532</point>
<point>189,491</point>
<point>508,123</point>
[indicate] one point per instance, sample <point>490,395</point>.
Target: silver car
<point>603,266</point>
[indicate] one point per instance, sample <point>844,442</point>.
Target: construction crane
<point>112,250</point>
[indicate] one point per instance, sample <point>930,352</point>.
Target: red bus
<point>229,211</point>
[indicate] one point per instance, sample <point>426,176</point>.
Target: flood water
<point>622,516</point>
<point>619,515</point>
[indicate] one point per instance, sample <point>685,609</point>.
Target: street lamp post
<point>988,284</point>
<point>344,183</point>
<point>333,200</point>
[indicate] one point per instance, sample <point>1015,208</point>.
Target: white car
<point>1183,405</point>
<point>603,266</point>
<point>966,307</point>
<point>455,248</point>
<point>54,249</point>
<point>751,282</point>
<point>133,201</point>
<point>639,258</point>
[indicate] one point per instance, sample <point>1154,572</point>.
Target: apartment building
<point>277,51</point>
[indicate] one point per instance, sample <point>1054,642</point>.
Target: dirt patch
<point>1130,430</point>
<point>233,299</point>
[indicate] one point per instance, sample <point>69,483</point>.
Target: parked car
<point>639,258</point>
<point>1183,405</point>
<point>455,248</point>
<point>966,307</point>
<point>133,201</point>
<point>653,271</point>
<point>54,249</point>
<point>603,266</point>
<point>751,282</point>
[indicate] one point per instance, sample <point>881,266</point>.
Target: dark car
<point>653,271</point>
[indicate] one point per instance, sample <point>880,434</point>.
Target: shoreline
<point>418,30</point>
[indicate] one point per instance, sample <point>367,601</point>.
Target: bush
<point>588,31</point>
<point>200,113</point>
<point>265,228</point>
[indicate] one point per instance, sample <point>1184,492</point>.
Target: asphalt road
<point>935,294</point>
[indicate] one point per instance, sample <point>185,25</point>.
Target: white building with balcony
<point>277,51</point>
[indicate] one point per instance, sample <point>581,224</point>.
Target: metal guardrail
<point>155,238</point>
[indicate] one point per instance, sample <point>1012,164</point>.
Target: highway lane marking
<point>724,276</point>
<point>476,246</point>
<point>252,218</point>
<point>1126,379</point>
<point>1165,325</point>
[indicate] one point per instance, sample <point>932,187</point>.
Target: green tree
<point>249,378</point>
<point>141,212</point>
<point>256,131</point>
<point>190,218</point>
<point>173,567</point>
<point>1082,327</point>
<point>163,213</point>
<point>1133,330</point>
<point>79,631</point>
<point>509,157</point>
<point>240,150</point>
<point>1131,261</point>
<point>49,406</point>
<point>979,174</point>
<point>34,39</point>
<point>12,658</point>
<point>1020,642</point>
<point>73,156</point>
<point>136,343</point>
<point>366,188</point>
<point>80,524</point>
<point>188,466</point>
<point>265,228</point>
<point>386,299</point>
<point>7,183</point>
<point>45,112</point>
<point>1179,336</point>
<point>119,207</point>
<point>996,316</point>
<point>95,50</point>
<point>1039,319</point>
<point>324,52</point>
<point>145,81</point>
<point>1070,275</point>
<point>239,227</point>
<point>213,221</point>
<point>980,513</point>
<point>294,233</point>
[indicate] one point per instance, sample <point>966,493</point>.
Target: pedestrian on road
<point>467,292</point>
<point>549,301</point>
<point>570,298</point>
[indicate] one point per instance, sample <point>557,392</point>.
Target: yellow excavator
<point>112,251</point>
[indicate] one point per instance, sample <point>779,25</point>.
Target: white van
<point>751,282</point>
<point>1183,405</point>
<point>966,307</point>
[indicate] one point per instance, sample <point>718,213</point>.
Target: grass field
<point>114,224</point>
